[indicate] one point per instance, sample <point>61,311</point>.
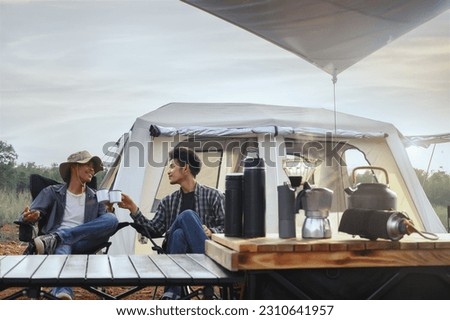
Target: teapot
<point>375,196</point>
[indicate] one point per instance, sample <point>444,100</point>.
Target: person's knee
<point>177,235</point>
<point>188,215</point>
<point>111,221</point>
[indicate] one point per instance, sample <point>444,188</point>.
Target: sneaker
<point>46,244</point>
<point>170,296</point>
<point>64,296</point>
<point>62,293</point>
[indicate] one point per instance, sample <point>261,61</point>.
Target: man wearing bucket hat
<point>75,222</point>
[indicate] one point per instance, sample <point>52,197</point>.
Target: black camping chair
<point>27,232</point>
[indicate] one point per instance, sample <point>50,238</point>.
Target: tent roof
<point>241,118</point>
<point>331,34</point>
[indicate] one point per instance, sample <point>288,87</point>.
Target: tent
<point>222,133</point>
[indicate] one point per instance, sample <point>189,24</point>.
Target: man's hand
<point>207,231</point>
<point>128,203</point>
<point>109,207</point>
<point>30,216</point>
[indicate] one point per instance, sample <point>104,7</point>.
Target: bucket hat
<point>80,157</point>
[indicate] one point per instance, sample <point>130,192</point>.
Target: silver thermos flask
<point>254,196</point>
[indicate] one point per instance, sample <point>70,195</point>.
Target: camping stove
<point>317,203</point>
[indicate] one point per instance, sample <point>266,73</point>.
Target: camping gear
<point>373,224</point>
<point>233,205</point>
<point>115,196</point>
<point>375,196</point>
<point>102,195</point>
<point>317,203</point>
<point>140,171</point>
<point>286,211</point>
<point>105,195</point>
<point>254,196</point>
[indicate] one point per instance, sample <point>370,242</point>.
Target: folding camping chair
<point>27,232</point>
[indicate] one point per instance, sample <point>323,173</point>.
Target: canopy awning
<point>331,34</point>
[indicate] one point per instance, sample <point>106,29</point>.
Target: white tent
<point>221,132</point>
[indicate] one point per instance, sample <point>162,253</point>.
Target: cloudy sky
<point>76,74</point>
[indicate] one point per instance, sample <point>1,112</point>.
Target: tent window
<point>354,158</point>
<point>208,175</point>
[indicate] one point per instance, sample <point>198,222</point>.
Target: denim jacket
<point>51,202</point>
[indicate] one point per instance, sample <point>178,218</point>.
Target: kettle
<point>375,196</point>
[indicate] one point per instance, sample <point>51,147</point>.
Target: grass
<point>12,204</point>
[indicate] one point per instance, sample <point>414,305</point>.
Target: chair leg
<point>205,293</point>
<point>32,293</point>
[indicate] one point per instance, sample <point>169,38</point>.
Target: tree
<point>8,157</point>
<point>437,188</point>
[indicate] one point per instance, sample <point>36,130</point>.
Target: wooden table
<point>341,254</point>
<point>89,271</point>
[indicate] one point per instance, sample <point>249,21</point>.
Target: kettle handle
<point>369,168</point>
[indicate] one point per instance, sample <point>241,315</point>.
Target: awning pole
<point>334,79</point>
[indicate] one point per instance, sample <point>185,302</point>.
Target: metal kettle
<point>376,196</point>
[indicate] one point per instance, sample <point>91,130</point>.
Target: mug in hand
<point>115,196</point>
<point>102,195</point>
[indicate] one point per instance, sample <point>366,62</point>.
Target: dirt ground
<point>9,245</point>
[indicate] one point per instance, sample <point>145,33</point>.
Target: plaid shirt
<point>209,205</point>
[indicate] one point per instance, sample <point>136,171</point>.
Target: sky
<point>75,75</point>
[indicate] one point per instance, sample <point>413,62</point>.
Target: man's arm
<point>150,228</point>
<point>218,210</point>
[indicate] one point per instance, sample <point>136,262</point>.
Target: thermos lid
<point>253,161</point>
<point>234,176</point>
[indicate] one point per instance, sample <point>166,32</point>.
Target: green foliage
<point>436,187</point>
<point>442,214</point>
<point>8,155</point>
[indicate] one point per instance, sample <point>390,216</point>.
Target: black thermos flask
<point>286,212</point>
<point>254,196</point>
<point>233,205</point>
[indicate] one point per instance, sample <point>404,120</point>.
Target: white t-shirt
<point>74,211</point>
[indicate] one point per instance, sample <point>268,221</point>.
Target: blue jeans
<point>186,235</point>
<point>85,238</point>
